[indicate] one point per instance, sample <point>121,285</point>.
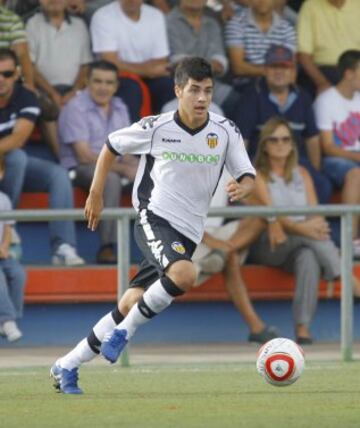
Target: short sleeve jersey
<point>180,167</point>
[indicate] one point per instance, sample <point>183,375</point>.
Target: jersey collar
<point>191,131</point>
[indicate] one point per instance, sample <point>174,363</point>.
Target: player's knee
<point>183,274</point>
<point>129,299</point>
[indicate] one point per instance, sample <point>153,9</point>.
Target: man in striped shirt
<point>249,35</point>
<point>12,35</point>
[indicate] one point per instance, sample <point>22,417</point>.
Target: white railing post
<point>123,269</point>
<point>346,287</point>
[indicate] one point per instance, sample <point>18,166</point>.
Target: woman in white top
<point>298,244</point>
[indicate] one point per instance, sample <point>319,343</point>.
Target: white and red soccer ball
<point>280,361</point>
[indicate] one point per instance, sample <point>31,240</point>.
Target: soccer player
<point>183,154</point>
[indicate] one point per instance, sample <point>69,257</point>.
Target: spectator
<point>286,12</point>
<point>303,247</point>
<point>84,124</point>
<point>12,280</point>
<point>191,32</point>
<point>276,95</point>
<point>218,251</point>
<point>19,110</point>
<point>13,36</point>
<point>326,29</point>
<point>123,33</point>
<point>248,37</point>
<point>26,8</point>
<point>337,113</point>
<point>60,50</point>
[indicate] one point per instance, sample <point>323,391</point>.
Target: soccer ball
<point>280,361</point>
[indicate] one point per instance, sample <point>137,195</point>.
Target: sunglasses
<point>275,140</point>
<point>7,73</point>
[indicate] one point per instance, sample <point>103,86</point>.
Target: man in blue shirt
<point>276,95</point>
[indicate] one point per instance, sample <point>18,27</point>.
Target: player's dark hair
<point>6,53</point>
<point>102,65</point>
<point>196,68</point>
<point>348,60</point>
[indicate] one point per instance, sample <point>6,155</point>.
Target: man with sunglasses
<point>19,111</point>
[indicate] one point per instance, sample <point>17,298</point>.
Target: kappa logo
<point>178,247</point>
<point>170,140</point>
<point>212,140</point>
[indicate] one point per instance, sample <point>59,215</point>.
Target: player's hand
<point>93,207</point>
<point>238,191</point>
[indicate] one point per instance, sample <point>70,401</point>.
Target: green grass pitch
<point>183,396</point>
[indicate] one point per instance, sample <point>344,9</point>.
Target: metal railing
<point>123,216</point>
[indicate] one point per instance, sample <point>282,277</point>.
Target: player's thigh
<point>161,245</point>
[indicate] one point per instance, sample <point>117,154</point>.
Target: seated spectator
<point>276,95</point>
<point>326,29</point>
<point>13,36</point>
<point>84,125</point>
<point>192,33</point>
<point>218,252</point>
<point>19,111</point>
<point>26,8</point>
<point>60,50</point>
<point>12,280</point>
<point>296,243</point>
<point>286,12</point>
<point>123,33</point>
<point>249,35</point>
<point>337,112</point>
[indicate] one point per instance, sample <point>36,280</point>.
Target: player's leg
<point>170,253</point>
<point>180,278</point>
<point>65,370</point>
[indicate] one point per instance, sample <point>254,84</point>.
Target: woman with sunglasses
<point>297,243</point>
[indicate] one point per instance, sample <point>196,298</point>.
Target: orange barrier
<point>33,201</point>
<point>99,284</point>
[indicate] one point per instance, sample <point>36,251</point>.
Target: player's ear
<point>178,91</point>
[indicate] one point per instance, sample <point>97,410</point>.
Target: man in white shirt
<point>133,36</point>
<point>183,154</point>
<point>337,112</point>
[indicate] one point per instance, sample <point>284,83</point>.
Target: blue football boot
<point>65,380</point>
<point>112,347</point>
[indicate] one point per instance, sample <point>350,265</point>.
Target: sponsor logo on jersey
<point>178,247</point>
<point>212,140</point>
<point>191,157</point>
<point>170,140</point>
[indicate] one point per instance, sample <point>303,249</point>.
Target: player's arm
<point>241,188</point>
<point>94,202</point>
<point>20,134</point>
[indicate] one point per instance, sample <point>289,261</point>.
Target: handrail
<point>123,216</point>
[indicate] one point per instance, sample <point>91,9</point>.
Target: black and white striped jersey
<point>180,167</point>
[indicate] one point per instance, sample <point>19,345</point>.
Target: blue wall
<point>181,323</point>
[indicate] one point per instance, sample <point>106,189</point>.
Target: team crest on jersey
<point>212,140</point>
<point>178,247</point>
